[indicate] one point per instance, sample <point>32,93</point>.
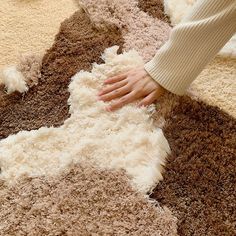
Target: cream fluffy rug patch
<point>124,139</point>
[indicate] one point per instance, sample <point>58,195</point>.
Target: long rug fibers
<point>87,172</point>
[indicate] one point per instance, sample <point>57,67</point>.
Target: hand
<point>129,87</point>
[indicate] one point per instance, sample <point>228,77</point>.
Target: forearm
<point>193,43</point>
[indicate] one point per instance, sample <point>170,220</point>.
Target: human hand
<point>129,87</point>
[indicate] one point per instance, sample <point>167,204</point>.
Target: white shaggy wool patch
<point>178,9</point>
<point>13,80</point>
<point>124,139</point>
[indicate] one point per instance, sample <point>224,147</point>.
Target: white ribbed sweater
<point>193,43</point>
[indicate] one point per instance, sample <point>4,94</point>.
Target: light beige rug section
<point>216,85</point>
<point>30,26</point>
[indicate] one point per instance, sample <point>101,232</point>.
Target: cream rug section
<point>178,9</point>
<point>126,139</point>
<point>216,85</point>
<point>30,26</point>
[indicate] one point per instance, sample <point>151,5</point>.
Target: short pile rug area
<point>69,167</point>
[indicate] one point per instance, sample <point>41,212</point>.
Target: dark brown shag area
<point>199,181</point>
<point>154,8</point>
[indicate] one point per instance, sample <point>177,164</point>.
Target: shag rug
<point>68,167</point>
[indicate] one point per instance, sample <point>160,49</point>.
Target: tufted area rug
<point>68,167</point>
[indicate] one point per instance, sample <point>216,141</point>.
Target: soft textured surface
<point>13,80</point>
<point>154,8</point>
<point>199,178</point>
<point>83,201</point>
<point>76,47</point>
<point>26,74</point>
<point>140,31</point>
<point>178,9</point>
<point>216,85</point>
<point>30,26</point>
<point>199,182</point>
<point>30,67</point>
<point>123,139</point>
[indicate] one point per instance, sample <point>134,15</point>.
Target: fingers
<point>115,94</point>
<point>112,87</point>
<point>129,87</point>
<point>151,98</point>
<point>122,101</point>
<point>115,79</point>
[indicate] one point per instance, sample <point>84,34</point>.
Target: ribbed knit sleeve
<point>193,43</point>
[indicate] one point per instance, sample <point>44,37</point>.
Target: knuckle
<point>138,90</point>
<point>129,85</point>
<point>123,100</point>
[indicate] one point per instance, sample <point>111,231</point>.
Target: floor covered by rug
<point>68,167</point>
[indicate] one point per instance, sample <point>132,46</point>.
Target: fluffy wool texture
<point>178,9</point>
<point>134,23</point>
<point>82,201</point>
<point>23,75</point>
<point>124,139</point>
<point>13,80</point>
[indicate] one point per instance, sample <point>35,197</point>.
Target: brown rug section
<point>154,8</point>
<point>83,201</point>
<point>199,181</point>
<point>77,45</point>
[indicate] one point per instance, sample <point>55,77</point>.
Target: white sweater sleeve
<point>193,43</point>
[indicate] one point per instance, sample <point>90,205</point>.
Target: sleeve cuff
<point>171,84</point>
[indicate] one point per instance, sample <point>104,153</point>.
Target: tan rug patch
<point>30,26</point>
<point>217,85</point>
<point>83,201</point>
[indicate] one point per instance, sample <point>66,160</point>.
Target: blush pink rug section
<point>140,30</point>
